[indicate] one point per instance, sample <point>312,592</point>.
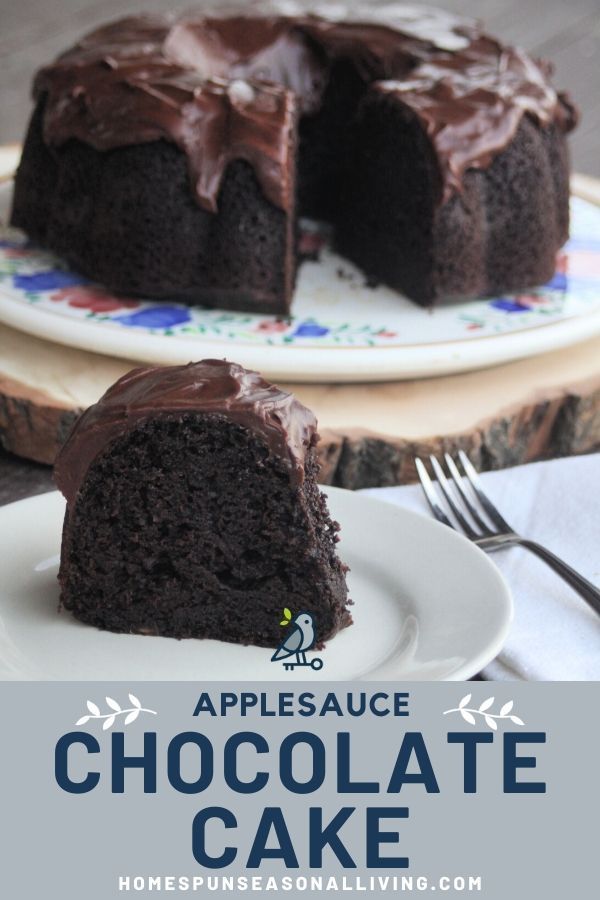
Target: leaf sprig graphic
<point>287,617</point>
<point>116,710</point>
<point>468,713</point>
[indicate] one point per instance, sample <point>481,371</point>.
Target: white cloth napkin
<point>555,635</point>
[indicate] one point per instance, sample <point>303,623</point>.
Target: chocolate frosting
<point>227,86</point>
<point>212,386</point>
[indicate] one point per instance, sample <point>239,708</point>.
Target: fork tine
<point>487,504</point>
<point>443,483</point>
<point>459,484</point>
<point>430,494</point>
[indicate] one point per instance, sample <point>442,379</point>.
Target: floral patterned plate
<point>340,330</point>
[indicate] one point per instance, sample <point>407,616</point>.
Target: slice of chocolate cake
<point>193,509</point>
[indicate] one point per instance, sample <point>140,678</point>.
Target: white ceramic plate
<point>340,329</point>
<point>428,606</point>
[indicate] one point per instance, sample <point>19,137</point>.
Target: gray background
<point>54,844</point>
<point>566,31</point>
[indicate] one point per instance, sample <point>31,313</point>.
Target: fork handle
<point>584,588</point>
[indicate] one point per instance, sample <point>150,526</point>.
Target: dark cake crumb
<point>191,524</point>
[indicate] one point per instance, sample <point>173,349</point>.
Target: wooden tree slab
<point>532,409</point>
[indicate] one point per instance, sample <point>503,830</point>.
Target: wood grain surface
<point>531,409</point>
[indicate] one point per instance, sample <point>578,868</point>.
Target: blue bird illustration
<point>300,638</point>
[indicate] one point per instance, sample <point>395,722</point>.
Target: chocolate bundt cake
<point>193,509</point>
<point>170,156</point>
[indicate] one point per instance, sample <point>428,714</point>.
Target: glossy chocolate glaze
<point>227,86</point>
<point>211,386</point>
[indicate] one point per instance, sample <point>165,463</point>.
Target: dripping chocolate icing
<point>227,86</point>
<point>212,386</point>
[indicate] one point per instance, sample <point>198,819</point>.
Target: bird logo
<point>299,639</point>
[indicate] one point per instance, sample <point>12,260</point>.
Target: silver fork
<point>499,535</point>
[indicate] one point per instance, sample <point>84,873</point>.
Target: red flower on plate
<point>562,262</point>
<point>94,299</point>
<point>531,300</point>
<point>310,244</point>
<point>268,326</point>
<point>387,334</point>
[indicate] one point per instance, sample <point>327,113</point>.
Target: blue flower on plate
<point>156,317</point>
<point>48,281</point>
<point>558,282</point>
<point>310,330</point>
<point>509,305</point>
